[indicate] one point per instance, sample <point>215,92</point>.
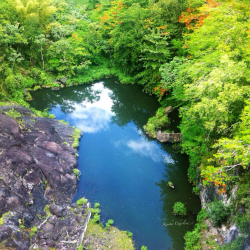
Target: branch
<point>228,168</point>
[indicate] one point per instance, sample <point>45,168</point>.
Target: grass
<point>2,218</point>
<point>13,113</point>
<point>76,136</point>
<point>107,239</point>
<point>62,121</point>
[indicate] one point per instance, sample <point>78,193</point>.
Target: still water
<point>123,169</point>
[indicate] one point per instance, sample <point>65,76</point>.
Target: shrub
<point>156,122</point>
<point>179,209</point>
<point>81,201</point>
<point>193,239</point>
<point>109,223</point>
<point>97,205</point>
<point>196,190</point>
<point>96,218</point>
<point>218,212</point>
<point>129,234</point>
<point>95,210</point>
<point>77,172</point>
<point>33,231</point>
<point>14,82</point>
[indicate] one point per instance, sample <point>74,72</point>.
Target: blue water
<point>121,168</point>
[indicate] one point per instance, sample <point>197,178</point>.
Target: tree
<point>15,58</point>
<point>41,41</point>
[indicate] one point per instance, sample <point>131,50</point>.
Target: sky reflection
<point>146,148</point>
<point>93,117</point>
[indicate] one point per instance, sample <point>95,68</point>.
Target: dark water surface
<point>123,169</point>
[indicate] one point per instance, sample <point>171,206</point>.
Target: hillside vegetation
<point>191,54</point>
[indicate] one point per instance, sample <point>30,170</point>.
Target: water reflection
<point>92,117</point>
<point>174,225</point>
<point>146,148</point>
<point>120,165</point>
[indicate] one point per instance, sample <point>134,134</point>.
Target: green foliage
<point>64,122</point>
<point>44,113</point>
<point>144,248</point>
<point>242,217</point>
<point>13,113</point>
<point>193,55</point>
<point>218,212</point>
<point>96,218</point>
<point>192,174</point>
<point>237,244</point>
<point>109,224</point>
<point>193,238</point>
<point>80,247</point>
<point>130,234</point>
<point>33,231</point>
<point>76,136</point>
<point>95,210</point>
<point>47,211</point>
<point>171,80</point>
<point>196,190</point>
<point>97,205</point>
<point>157,122</point>
<point>170,184</point>
<point>96,213</point>
<point>179,209</point>
<point>2,217</point>
<point>77,172</point>
<point>81,201</point>
<point>13,82</point>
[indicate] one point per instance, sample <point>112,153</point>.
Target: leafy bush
<point>130,234</point>
<point>14,82</point>
<point>81,201</point>
<point>33,231</point>
<point>193,238</point>
<point>96,218</point>
<point>97,205</point>
<point>179,209</point>
<point>95,210</point>
<point>196,190</point>
<point>237,244</point>
<point>96,213</point>
<point>77,172</point>
<point>157,122</point>
<point>109,223</point>
<point>218,212</point>
<point>192,174</point>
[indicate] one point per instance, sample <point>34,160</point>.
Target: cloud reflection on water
<point>149,149</point>
<point>92,117</point>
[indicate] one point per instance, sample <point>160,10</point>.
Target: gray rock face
<point>63,80</point>
<point>225,233</point>
<point>168,137</point>
<point>36,171</point>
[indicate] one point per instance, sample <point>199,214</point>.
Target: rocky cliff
<point>37,183</point>
<point>228,231</point>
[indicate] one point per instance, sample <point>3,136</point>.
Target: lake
<point>121,167</point>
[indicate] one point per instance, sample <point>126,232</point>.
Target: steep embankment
<point>37,183</point>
